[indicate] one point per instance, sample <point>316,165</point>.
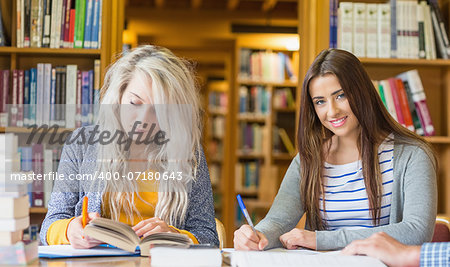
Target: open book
<point>122,236</point>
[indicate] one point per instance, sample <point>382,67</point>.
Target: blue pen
<point>245,212</point>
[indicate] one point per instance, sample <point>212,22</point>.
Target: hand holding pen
<point>74,233</point>
<point>246,237</point>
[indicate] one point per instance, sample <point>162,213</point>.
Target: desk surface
<point>96,261</point>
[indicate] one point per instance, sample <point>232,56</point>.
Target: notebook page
<point>263,259</point>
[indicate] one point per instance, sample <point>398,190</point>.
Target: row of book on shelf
<point>252,136</point>
<point>61,95</point>
<point>247,175</point>
<point>34,158</point>
<point>59,23</point>
<point>217,101</point>
<point>14,218</point>
<point>405,99</point>
<point>399,29</point>
<point>254,99</point>
<point>217,126</point>
<point>268,66</point>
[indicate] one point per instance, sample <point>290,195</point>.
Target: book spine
<point>415,117</point>
<point>27,23</point>
<point>79,32</point>
<point>371,30</point>
<point>62,23</point>
<point>415,39</point>
<point>20,97</point>
<point>389,100</point>
<point>53,22</point>
<point>95,24</point>
<point>441,25</point>
<point>46,24</point>
<point>393,28</point>
<point>85,97</point>
<point>40,94</point>
<point>100,15</point>
<point>72,27</point>
<point>26,98</point>
<point>47,92</point>
<point>395,98</point>
<point>19,42</point>
<point>33,95</point>
<point>384,30</point>
<point>58,89</point>
<point>53,98</point>
<point>13,121</point>
<point>88,24</point>
<point>66,43</point>
<point>359,29</point>
<point>62,111</point>
<point>3,41</point>
<point>38,185</point>
<point>345,20</point>
<point>78,118</point>
<point>404,105</point>
<point>421,27</point>
<point>91,95</point>
<point>438,35</point>
<point>430,45</point>
<point>71,91</point>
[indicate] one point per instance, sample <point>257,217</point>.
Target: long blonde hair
<point>174,87</point>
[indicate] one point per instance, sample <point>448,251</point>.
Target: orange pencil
<point>84,211</point>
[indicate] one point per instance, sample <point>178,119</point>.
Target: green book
<point>80,12</point>
<point>381,91</point>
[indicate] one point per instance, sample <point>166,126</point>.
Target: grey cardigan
<point>67,195</point>
<point>413,204</point>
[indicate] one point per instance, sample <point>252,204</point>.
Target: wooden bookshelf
<point>216,140</point>
<point>50,51</point>
<point>271,166</point>
<point>435,76</point>
<point>13,57</point>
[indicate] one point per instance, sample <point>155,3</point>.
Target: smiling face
<point>332,106</point>
<point>137,106</point>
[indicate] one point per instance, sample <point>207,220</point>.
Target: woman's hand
<point>245,239</point>
<point>76,236</point>
<point>151,226</point>
<point>299,238</point>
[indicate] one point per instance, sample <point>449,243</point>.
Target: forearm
<point>57,232</point>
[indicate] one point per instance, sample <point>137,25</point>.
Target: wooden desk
<point>95,261</point>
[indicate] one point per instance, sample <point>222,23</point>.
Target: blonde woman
<point>142,164</point>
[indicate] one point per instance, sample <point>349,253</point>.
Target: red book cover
<point>72,27</point>
<point>398,109</point>
<point>67,24</point>
<point>404,105</point>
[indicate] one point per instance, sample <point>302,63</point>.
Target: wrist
<point>412,256</point>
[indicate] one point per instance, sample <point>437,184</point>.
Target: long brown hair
<point>375,125</point>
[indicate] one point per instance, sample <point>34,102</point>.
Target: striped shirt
<point>435,254</point>
<point>346,202</point>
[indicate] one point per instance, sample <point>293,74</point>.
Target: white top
<point>346,202</point>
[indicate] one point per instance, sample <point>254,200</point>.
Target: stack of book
<point>14,217</point>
